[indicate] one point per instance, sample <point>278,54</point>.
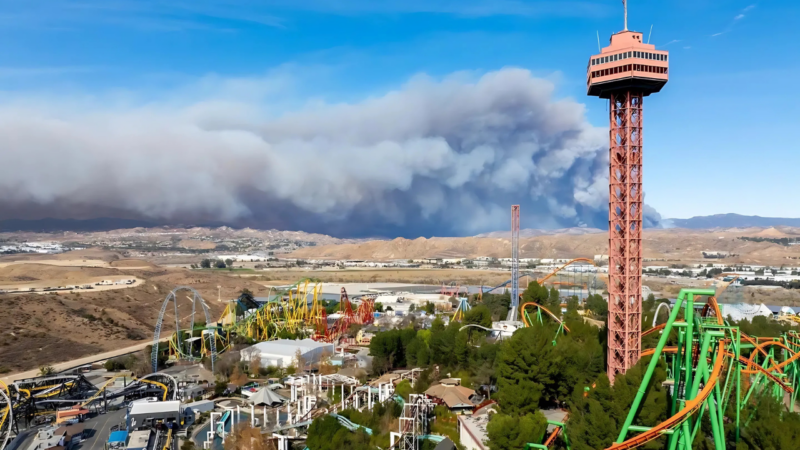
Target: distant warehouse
<point>283,352</point>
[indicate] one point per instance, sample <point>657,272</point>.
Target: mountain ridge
<point>732,220</point>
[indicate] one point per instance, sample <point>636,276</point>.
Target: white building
<point>283,352</point>
<point>472,428</point>
<point>741,311</point>
<point>243,258</point>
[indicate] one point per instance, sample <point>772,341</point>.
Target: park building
<point>283,353</point>
<point>145,414</point>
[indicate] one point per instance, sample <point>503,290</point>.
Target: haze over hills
<point>54,225</point>
<point>732,221</point>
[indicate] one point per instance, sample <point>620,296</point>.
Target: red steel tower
<point>625,72</point>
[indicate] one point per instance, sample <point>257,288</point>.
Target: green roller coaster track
<point>712,366</point>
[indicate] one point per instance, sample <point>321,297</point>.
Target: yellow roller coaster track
<point>105,386</point>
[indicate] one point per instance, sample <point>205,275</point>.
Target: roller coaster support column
<point>686,297</point>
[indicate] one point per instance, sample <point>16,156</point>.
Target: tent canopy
<point>266,397</point>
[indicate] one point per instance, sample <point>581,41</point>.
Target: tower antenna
<point>625,6</point>
<point>599,50</point>
<point>650,34</point>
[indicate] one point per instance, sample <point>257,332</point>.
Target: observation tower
<point>624,73</point>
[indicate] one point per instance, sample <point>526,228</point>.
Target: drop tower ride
<point>624,73</point>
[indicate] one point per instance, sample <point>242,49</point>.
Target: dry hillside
<point>48,328</point>
<point>672,245</point>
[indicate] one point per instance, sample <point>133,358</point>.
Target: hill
<point>733,221</point>
<point>49,328</point>
<point>675,245</point>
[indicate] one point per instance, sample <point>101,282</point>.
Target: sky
<point>382,118</point>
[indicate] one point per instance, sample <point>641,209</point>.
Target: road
<point>98,429</point>
<point>81,361</point>
<point>101,429</point>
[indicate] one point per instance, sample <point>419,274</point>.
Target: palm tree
<point>46,371</point>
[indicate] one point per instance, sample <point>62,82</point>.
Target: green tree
<point>229,262</point>
<point>533,373</point>
<point>430,308</point>
<point>597,305</point>
<point>205,264</point>
<point>535,293</point>
<point>772,427</point>
<point>325,433</point>
<point>572,304</point>
<point>479,315</point>
<point>403,389</point>
<point>461,348</point>
<point>595,420</point>
<point>498,304</point>
<point>46,370</point>
<point>507,432</point>
<point>219,264</point>
<point>554,301</point>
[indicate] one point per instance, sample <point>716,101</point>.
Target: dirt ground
<point>43,329</point>
<point>38,276</point>
<point>415,276</point>
<point>670,287</point>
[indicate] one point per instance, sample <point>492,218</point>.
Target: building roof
<point>266,396</point>
<point>155,407</point>
<point>475,426</point>
<point>71,430</point>
<point>446,444</point>
<point>139,439</point>
<point>741,311</point>
<point>199,403</point>
<point>287,347</point>
<point>452,396</point>
<point>72,412</point>
<point>194,373</point>
<point>118,436</point>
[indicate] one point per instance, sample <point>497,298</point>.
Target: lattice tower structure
<point>624,73</point>
<point>512,314</point>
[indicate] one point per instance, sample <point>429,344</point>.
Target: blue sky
<point>721,137</point>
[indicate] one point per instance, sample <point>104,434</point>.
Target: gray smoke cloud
<point>436,157</point>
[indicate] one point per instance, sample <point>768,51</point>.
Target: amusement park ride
<point>27,402</point>
<point>286,312</point>
<point>715,372</point>
<point>624,73</point>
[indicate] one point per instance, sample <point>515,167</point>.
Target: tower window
<point>630,54</point>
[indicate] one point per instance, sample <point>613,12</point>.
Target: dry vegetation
<point>50,328</point>
<point>413,276</point>
<point>673,245</point>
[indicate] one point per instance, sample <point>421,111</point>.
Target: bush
<point>134,335</point>
<point>114,365</point>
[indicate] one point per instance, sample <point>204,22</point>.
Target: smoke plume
<point>436,157</point>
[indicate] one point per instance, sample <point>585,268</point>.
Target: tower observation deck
<point>624,73</point>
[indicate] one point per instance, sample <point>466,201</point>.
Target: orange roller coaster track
<point>708,348</point>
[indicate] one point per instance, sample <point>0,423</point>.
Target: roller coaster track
<point>6,417</point>
<point>547,311</point>
<point>720,345</point>
<point>690,408</point>
<point>172,296</point>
